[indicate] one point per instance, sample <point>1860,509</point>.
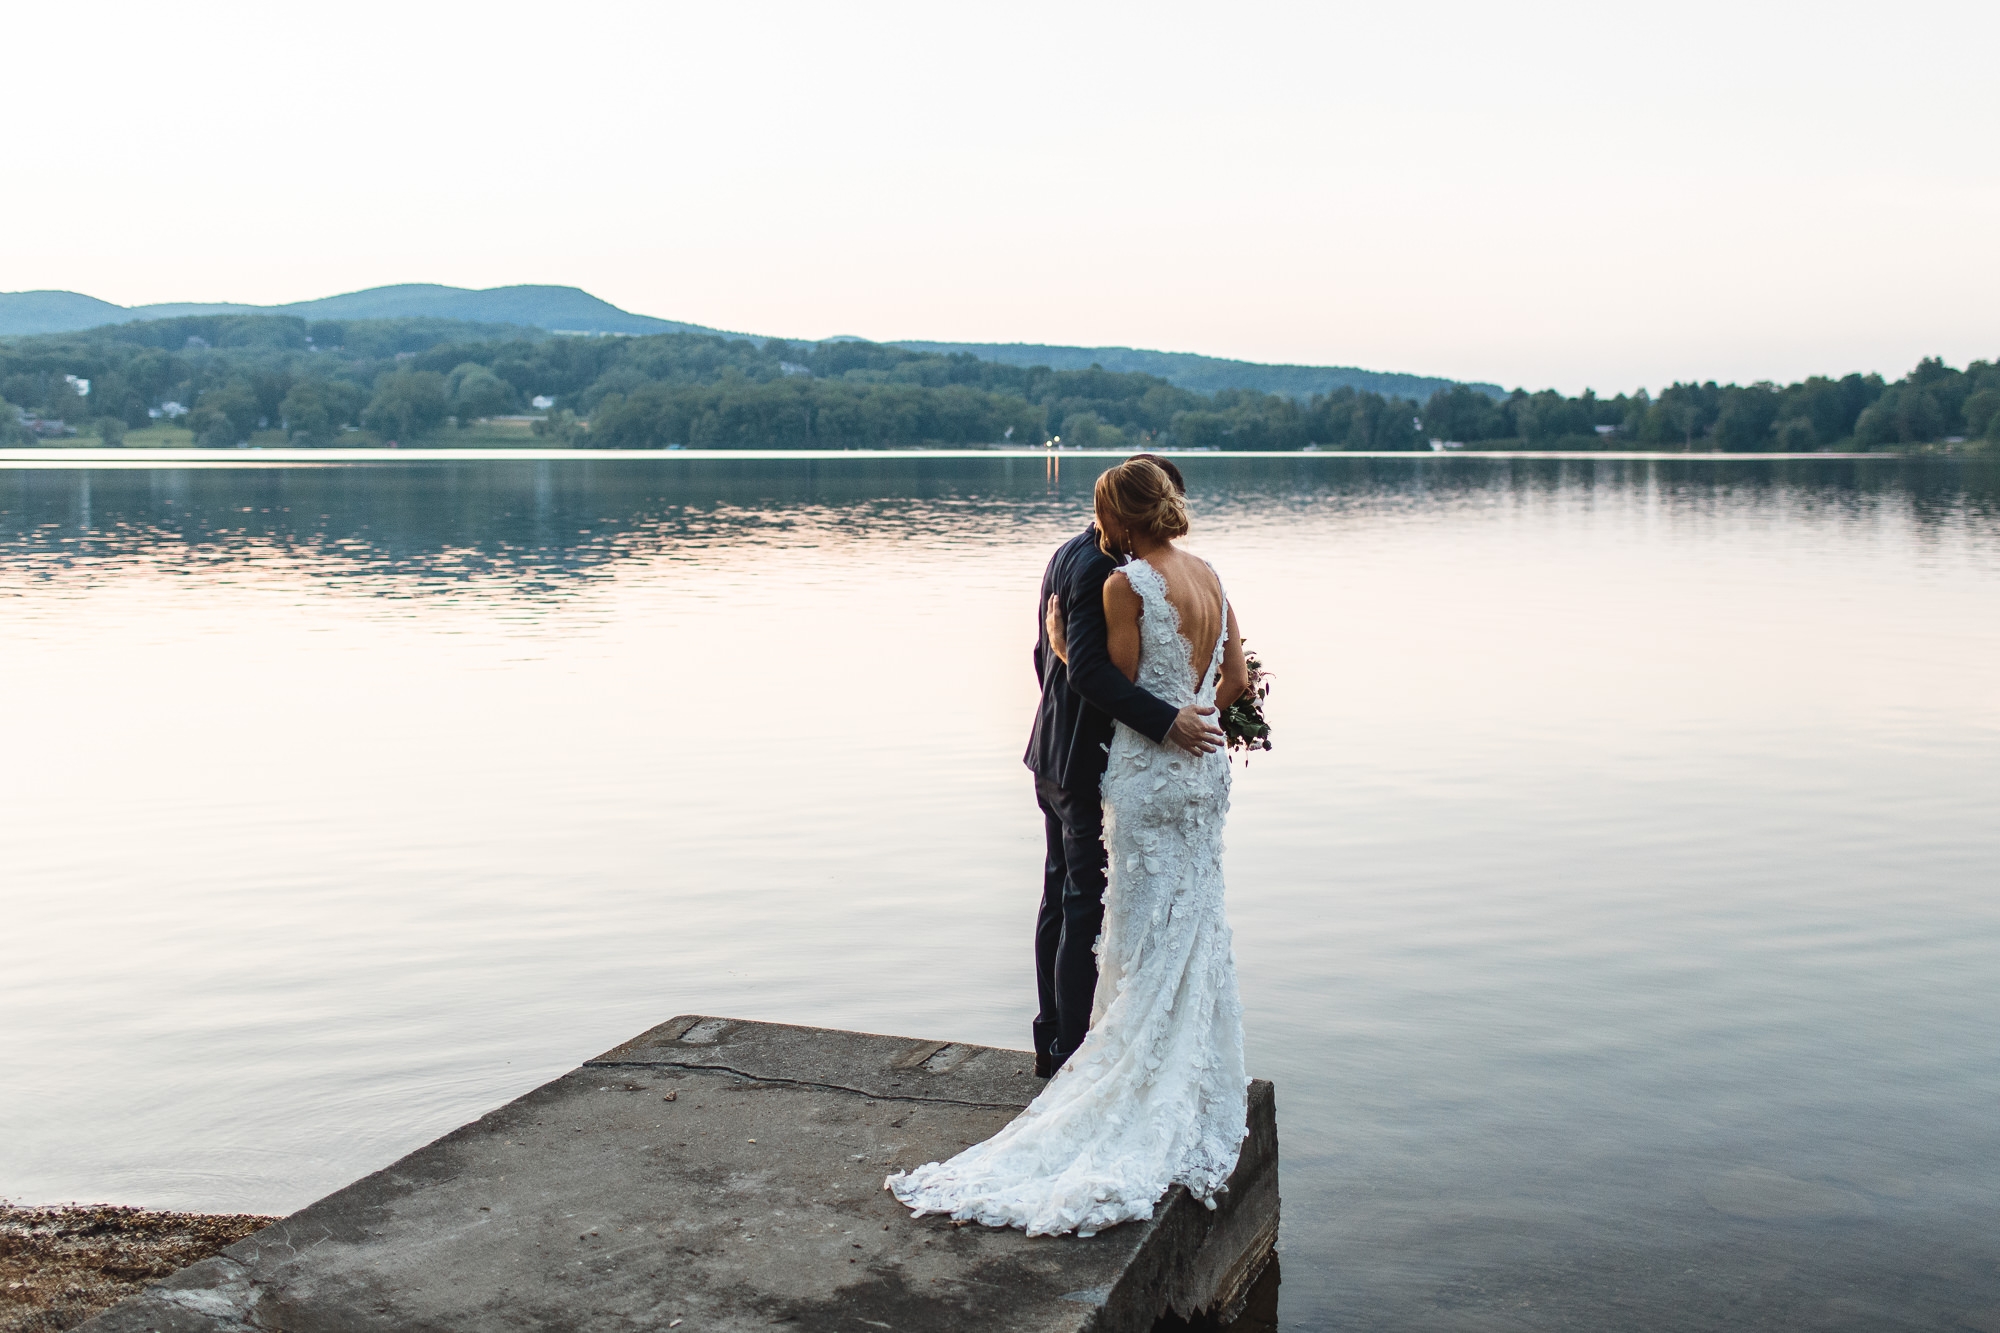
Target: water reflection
<point>542,524</point>
<point>1615,916</point>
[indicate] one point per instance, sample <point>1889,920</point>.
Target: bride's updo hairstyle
<point>1145,500</point>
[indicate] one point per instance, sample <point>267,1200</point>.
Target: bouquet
<point>1243,722</point>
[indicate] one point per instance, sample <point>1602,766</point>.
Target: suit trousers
<point>1071,915</point>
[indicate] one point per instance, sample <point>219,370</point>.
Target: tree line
<point>229,376</point>
<point>1933,402</point>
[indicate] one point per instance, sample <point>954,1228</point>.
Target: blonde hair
<point>1145,500</point>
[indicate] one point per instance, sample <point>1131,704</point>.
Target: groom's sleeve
<point>1091,673</point>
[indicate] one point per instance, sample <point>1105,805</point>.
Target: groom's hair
<point>1165,465</point>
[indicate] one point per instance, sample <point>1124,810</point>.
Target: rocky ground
<point>60,1266</point>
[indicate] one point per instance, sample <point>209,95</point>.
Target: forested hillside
<point>571,310</point>
<point>1207,374</point>
<point>229,377</point>
<point>418,379</point>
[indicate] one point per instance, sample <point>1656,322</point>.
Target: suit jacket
<point>1080,701</point>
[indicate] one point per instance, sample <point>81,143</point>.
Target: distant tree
<point>1744,417</point>
<point>1876,426</point>
<point>1906,413</point>
<point>559,427</point>
<point>11,429</point>
<point>109,429</point>
<point>1689,409</point>
<point>621,380</point>
<point>1544,419</point>
<point>407,405</point>
<point>1633,425</point>
<point>62,401</point>
<point>1461,414</point>
<point>1795,436</point>
<point>226,414</point>
<point>1356,419</point>
<point>1982,413</point>
<point>1263,421</point>
<point>112,395</point>
<point>1375,422</point>
<point>153,375</point>
<point>1200,430</point>
<point>477,392</point>
<point>1832,406</point>
<point>1920,416</point>
<point>314,410</point>
<point>1080,430</point>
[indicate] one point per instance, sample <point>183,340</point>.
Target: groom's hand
<point>1193,732</point>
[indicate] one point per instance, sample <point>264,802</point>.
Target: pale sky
<point>1545,193</point>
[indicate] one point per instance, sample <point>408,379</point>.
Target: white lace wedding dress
<point>1156,1095</point>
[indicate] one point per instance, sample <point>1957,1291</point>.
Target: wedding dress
<point>1156,1095</point>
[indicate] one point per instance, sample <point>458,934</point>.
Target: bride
<point>1155,1096</point>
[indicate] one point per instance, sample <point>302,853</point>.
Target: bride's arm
<point>1235,671</point>
<point>1121,624</point>
<point>1056,628</point>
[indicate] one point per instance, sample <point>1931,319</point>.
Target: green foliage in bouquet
<point>1243,721</point>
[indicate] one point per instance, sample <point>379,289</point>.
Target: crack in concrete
<point>800,1083</point>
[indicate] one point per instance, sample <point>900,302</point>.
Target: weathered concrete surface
<point>726,1175</point>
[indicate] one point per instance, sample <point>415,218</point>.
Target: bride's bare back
<point>1196,596</point>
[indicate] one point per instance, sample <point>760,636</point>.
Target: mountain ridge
<point>571,310</point>
<point>1207,374</point>
<point>557,309</point>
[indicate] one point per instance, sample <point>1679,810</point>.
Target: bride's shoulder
<point>1197,560</point>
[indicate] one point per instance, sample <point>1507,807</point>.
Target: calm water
<point>1617,915</point>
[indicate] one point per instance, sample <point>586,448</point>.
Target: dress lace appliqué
<point>1156,1095</point>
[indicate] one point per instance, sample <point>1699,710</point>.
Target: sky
<point>1548,194</point>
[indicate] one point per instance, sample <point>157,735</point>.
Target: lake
<point>1616,915</point>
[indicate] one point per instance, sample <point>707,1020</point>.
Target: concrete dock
<point>716,1174</point>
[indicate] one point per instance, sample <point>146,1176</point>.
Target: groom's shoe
<point>1045,1064</point>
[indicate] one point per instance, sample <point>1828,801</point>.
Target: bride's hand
<point>1193,732</point>
<point>1058,634</point>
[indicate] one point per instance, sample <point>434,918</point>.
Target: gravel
<point>61,1265</point>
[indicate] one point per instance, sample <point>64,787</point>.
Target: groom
<point>1082,694</point>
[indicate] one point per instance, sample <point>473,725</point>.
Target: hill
<point>55,312</point>
<point>1207,374</point>
<point>572,310</point>
<point>557,309</point>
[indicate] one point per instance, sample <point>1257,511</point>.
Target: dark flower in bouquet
<point>1243,722</point>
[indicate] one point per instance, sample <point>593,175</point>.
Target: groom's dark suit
<point>1067,752</point>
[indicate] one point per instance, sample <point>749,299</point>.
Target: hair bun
<point>1145,500</point>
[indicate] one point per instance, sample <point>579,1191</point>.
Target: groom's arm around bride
<point>1083,692</point>
<point>1081,698</point>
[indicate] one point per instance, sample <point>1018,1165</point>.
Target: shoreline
<point>62,1263</point>
<point>64,456</point>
